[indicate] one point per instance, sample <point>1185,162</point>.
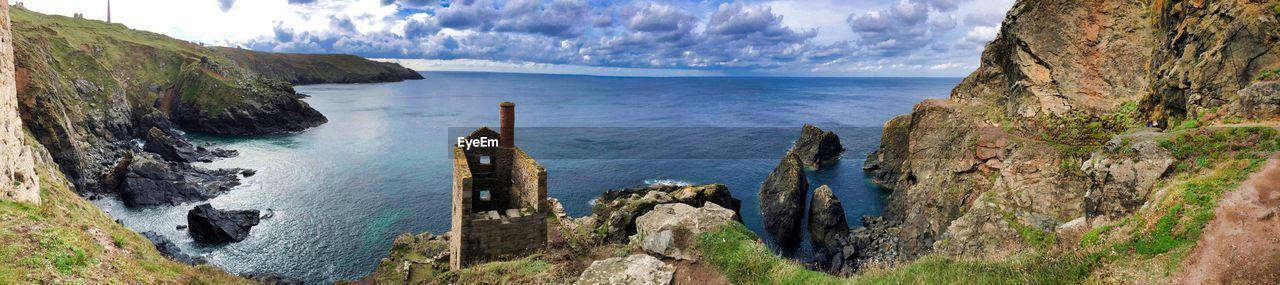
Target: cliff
<point>317,68</point>
<point>1044,142</point>
<point>87,88</point>
<point>17,172</point>
<point>52,235</point>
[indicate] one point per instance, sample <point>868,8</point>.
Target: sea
<point>341,192</point>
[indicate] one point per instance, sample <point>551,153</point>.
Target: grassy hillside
<point>67,240</point>
<point>318,68</point>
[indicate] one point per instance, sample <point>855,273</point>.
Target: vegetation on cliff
<point>67,240</point>
<point>318,68</point>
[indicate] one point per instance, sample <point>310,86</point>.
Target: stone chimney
<point>508,121</point>
<point>18,181</point>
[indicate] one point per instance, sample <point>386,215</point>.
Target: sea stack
<point>782,200</point>
<point>826,218</point>
<point>817,147</point>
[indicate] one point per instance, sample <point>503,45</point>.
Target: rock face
<point>671,229</point>
<point>1259,101</point>
<point>615,211</point>
<point>101,94</point>
<point>170,250</point>
<point>209,225</point>
<point>152,182</point>
<point>817,147</point>
<point>782,200</point>
<point>169,147</point>
<point>1206,51</point>
<point>826,218</point>
<point>637,269</point>
<point>1122,175</point>
<point>18,181</point>
<point>273,108</point>
<point>965,169</point>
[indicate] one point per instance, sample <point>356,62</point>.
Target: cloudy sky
<point>658,37</point>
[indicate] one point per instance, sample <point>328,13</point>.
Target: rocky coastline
<point>113,116</point>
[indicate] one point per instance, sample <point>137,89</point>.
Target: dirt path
<point>1242,243</point>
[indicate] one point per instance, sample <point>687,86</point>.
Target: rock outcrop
<point>1260,100</point>
<point>151,181</point>
<point>1012,151</point>
<point>168,147</point>
<point>782,200</point>
<point>1123,174</point>
<point>671,230</point>
<point>615,211</point>
<point>209,225</point>
<point>826,218</point>
<point>18,181</point>
<point>87,99</point>
<point>1205,51</point>
<point>170,250</point>
<point>817,147</point>
<point>636,269</point>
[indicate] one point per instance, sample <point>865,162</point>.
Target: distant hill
<point>317,68</point>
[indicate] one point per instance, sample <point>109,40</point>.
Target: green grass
<point>531,269</point>
<point>67,240</point>
<point>738,253</point>
<point>1031,236</point>
<point>1076,134</point>
<point>1269,73</point>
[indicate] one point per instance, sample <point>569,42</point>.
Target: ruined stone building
<point>499,197</point>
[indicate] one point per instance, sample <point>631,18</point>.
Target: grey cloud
<point>225,5</point>
<point>561,18</point>
<point>900,29</point>
<point>405,3</point>
<point>282,34</point>
<point>467,15</point>
<point>661,18</point>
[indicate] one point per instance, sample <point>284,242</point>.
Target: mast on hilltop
<point>108,11</point>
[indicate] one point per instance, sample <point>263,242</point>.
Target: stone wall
<point>461,209</point>
<point>528,181</point>
<point>18,179</point>
<point>496,235</point>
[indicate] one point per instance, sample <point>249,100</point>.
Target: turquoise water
<point>342,191</point>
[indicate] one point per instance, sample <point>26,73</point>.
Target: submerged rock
<point>210,225</point>
<point>826,218</point>
<point>615,211</point>
<point>151,182</point>
<point>671,229</point>
<point>782,200</point>
<point>637,269</point>
<point>170,250</point>
<point>817,147</point>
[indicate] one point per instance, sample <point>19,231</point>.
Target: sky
<point>640,38</point>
